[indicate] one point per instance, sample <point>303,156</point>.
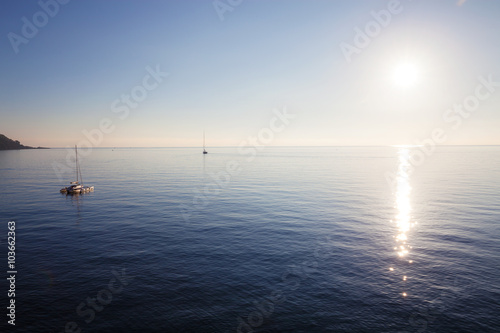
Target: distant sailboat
<point>76,187</point>
<point>204,151</point>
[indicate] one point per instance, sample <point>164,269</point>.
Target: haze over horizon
<point>158,74</point>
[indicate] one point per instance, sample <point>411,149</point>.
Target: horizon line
<point>306,146</point>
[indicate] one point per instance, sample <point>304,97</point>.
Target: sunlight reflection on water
<point>403,202</point>
<point>403,206</point>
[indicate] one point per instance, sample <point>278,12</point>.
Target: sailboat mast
<point>204,151</point>
<point>76,163</point>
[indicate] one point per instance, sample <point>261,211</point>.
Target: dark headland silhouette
<point>8,144</point>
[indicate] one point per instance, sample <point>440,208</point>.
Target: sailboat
<point>75,187</point>
<point>204,151</point>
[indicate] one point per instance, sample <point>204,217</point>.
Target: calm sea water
<point>296,240</point>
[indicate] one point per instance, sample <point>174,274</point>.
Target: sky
<point>160,73</point>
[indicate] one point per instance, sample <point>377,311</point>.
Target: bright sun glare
<point>405,75</point>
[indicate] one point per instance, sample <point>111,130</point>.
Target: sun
<point>405,75</point>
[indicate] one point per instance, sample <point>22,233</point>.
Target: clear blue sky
<point>226,76</point>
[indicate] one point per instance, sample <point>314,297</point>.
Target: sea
<point>275,239</point>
